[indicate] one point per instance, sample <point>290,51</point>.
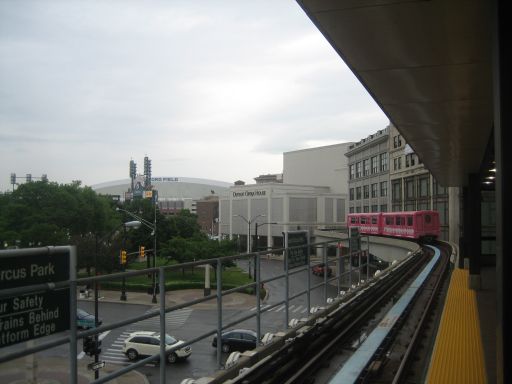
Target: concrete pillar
<point>474,231</point>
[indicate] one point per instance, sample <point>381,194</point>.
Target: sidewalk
<point>55,370</point>
<point>236,299</point>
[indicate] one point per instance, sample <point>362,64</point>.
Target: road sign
<point>296,257</point>
<point>32,315</point>
<point>96,366</point>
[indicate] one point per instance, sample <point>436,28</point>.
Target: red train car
<point>411,224</point>
<point>368,223</point>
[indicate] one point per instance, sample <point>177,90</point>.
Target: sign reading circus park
<point>40,312</point>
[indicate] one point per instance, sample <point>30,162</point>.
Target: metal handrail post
<point>219,312</point>
<point>72,316</point>
<point>308,279</point>
<point>286,288</point>
<point>339,260</point>
<point>161,278</point>
<point>324,254</point>
<point>258,304</point>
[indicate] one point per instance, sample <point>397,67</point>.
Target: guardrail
<point>73,282</point>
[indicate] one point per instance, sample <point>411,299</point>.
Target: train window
<point>409,221</point>
<point>389,220</point>
<point>397,220</point>
<point>428,219</point>
<point>353,220</point>
<point>374,220</point>
<point>363,220</point>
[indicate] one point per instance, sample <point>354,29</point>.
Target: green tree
<point>44,214</point>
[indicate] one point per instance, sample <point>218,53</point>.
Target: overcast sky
<point>208,89</point>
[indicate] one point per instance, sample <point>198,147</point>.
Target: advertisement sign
<point>296,257</point>
<point>36,314</point>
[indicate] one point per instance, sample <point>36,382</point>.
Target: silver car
<point>144,343</point>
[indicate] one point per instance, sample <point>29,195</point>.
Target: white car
<point>144,343</point>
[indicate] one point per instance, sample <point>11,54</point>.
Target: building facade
<point>368,173</point>
<point>311,194</point>
<point>386,175</point>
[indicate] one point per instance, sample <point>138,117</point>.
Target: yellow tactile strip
<point>458,355</point>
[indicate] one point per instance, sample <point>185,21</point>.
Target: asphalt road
<point>188,323</point>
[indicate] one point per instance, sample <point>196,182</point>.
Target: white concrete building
<point>313,195</point>
<point>326,166</point>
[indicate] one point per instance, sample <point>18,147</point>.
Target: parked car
<point>237,340</point>
<point>144,343</point>
<point>319,270</point>
<point>85,319</point>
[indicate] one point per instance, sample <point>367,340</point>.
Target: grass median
<point>181,278</point>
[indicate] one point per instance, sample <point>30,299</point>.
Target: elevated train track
<point>322,349</point>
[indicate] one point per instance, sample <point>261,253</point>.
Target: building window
<point>352,171</point>
<point>439,190</point>
<point>397,163</point>
<point>375,208</point>
<point>383,162</point>
<point>397,141</point>
<point>358,209</point>
<point>424,187</point>
<point>409,160</point>
<point>358,169</point>
<point>351,210</point>
<point>366,191</point>
<point>351,191</point>
<point>374,190</point>
<point>366,209</point>
<point>396,190</point>
<point>384,208</point>
<point>375,167</point>
<point>358,193</point>
<point>366,167</point>
<point>409,189</point>
<point>383,188</point>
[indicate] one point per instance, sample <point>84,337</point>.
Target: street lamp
<point>151,226</point>
<point>256,242</point>
<point>249,234</point>
<point>129,224</point>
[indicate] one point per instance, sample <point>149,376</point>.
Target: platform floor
<point>458,355</point>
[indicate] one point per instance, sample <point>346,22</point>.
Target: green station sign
<point>36,314</point>
<point>296,257</point>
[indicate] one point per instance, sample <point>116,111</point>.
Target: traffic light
<point>142,252</point>
<point>88,345</point>
<point>123,256</point>
<point>96,347</point>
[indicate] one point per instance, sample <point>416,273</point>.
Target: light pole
<point>151,226</point>
<point>129,224</point>
<point>256,242</point>
<point>249,234</point>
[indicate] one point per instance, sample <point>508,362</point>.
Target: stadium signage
<point>250,193</point>
<point>36,314</point>
<point>164,179</point>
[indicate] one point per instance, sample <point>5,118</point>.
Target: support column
<point>474,231</point>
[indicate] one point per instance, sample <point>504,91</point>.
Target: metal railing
<point>74,335</point>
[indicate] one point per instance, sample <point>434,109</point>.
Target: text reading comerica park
<point>36,314</point>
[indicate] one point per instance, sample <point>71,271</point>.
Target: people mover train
<point>419,225</point>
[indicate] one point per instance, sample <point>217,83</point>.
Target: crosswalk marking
<point>291,308</point>
<point>173,319</point>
